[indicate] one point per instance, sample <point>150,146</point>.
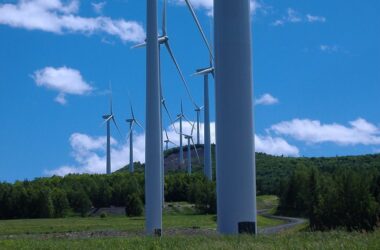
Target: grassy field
<point>43,226</point>
<point>127,233</point>
<point>330,240</point>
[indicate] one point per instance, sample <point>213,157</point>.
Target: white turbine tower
<point>235,152</point>
<point>205,72</point>
<point>153,138</point>
<point>190,142</point>
<point>198,111</point>
<point>180,118</point>
<point>207,133</point>
<point>131,122</point>
<point>107,119</point>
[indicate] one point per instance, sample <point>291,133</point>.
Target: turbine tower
<point>235,152</point>
<point>180,117</point>
<point>131,122</point>
<point>153,139</point>
<point>107,119</point>
<point>207,134</point>
<point>205,72</point>
<point>189,142</point>
<point>198,111</point>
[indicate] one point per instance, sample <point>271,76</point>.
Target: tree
<point>133,205</point>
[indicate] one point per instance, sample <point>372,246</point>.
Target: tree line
<point>76,194</point>
<point>344,198</point>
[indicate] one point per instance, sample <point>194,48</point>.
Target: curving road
<point>289,223</point>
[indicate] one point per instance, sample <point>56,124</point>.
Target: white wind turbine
<point>190,142</point>
<point>131,122</point>
<point>168,141</point>
<point>107,119</point>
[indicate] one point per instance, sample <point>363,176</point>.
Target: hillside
<point>271,170</point>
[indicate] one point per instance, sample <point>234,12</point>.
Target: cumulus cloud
<point>266,99</point>
<point>63,80</point>
<point>359,132</point>
<point>292,16</point>
<point>275,146</point>
<point>89,152</point>
<point>61,17</point>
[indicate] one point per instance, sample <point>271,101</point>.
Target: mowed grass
<point>176,215</point>
<point>329,240</point>
<point>136,224</point>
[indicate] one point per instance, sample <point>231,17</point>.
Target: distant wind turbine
<point>189,142</point>
<point>107,119</point>
<point>131,122</point>
<point>198,111</point>
<point>167,141</point>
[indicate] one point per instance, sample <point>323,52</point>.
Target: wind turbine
<point>153,138</point>
<point>163,40</point>
<point>207,133</point>
<point>107,119</point>
<point>189,142</point>
<point>131,122</point>
<point>205,72</point>
<point>167,141</point>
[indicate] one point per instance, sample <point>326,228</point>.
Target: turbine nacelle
<point>107,117</point>
<point>204,71</point>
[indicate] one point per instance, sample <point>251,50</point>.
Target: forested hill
<point>271,170</point>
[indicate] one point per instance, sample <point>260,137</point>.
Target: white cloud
<point>293,16</point>
<point>359,132</point>
<point>98,7</point>
<point>64,80</point>
<point>266,99</point>
<point>313,19</point>
<point>275,146</point>
<point>90,152</point>
<point>60,17</point>
<point>329,48</point>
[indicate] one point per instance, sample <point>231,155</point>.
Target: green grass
<point>267,201</point>
<point>136,224</point>
<point>330,240</point>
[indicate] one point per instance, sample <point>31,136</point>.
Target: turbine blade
<point>179,71</point>
<point>199,28</point>
<point>140,45</point>
<point>191,124</point>
<point>173,143</point>
<point>192,130</point>
<point>164,19</point>
<point>170,117</point>
<point>166,134</point>
<point>110,87</point>
<point>117,127</point>
<point>196,151</point>
<point>138,124</point>
<point>133,115</point>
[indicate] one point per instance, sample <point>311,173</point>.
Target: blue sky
<point>316,79</point>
